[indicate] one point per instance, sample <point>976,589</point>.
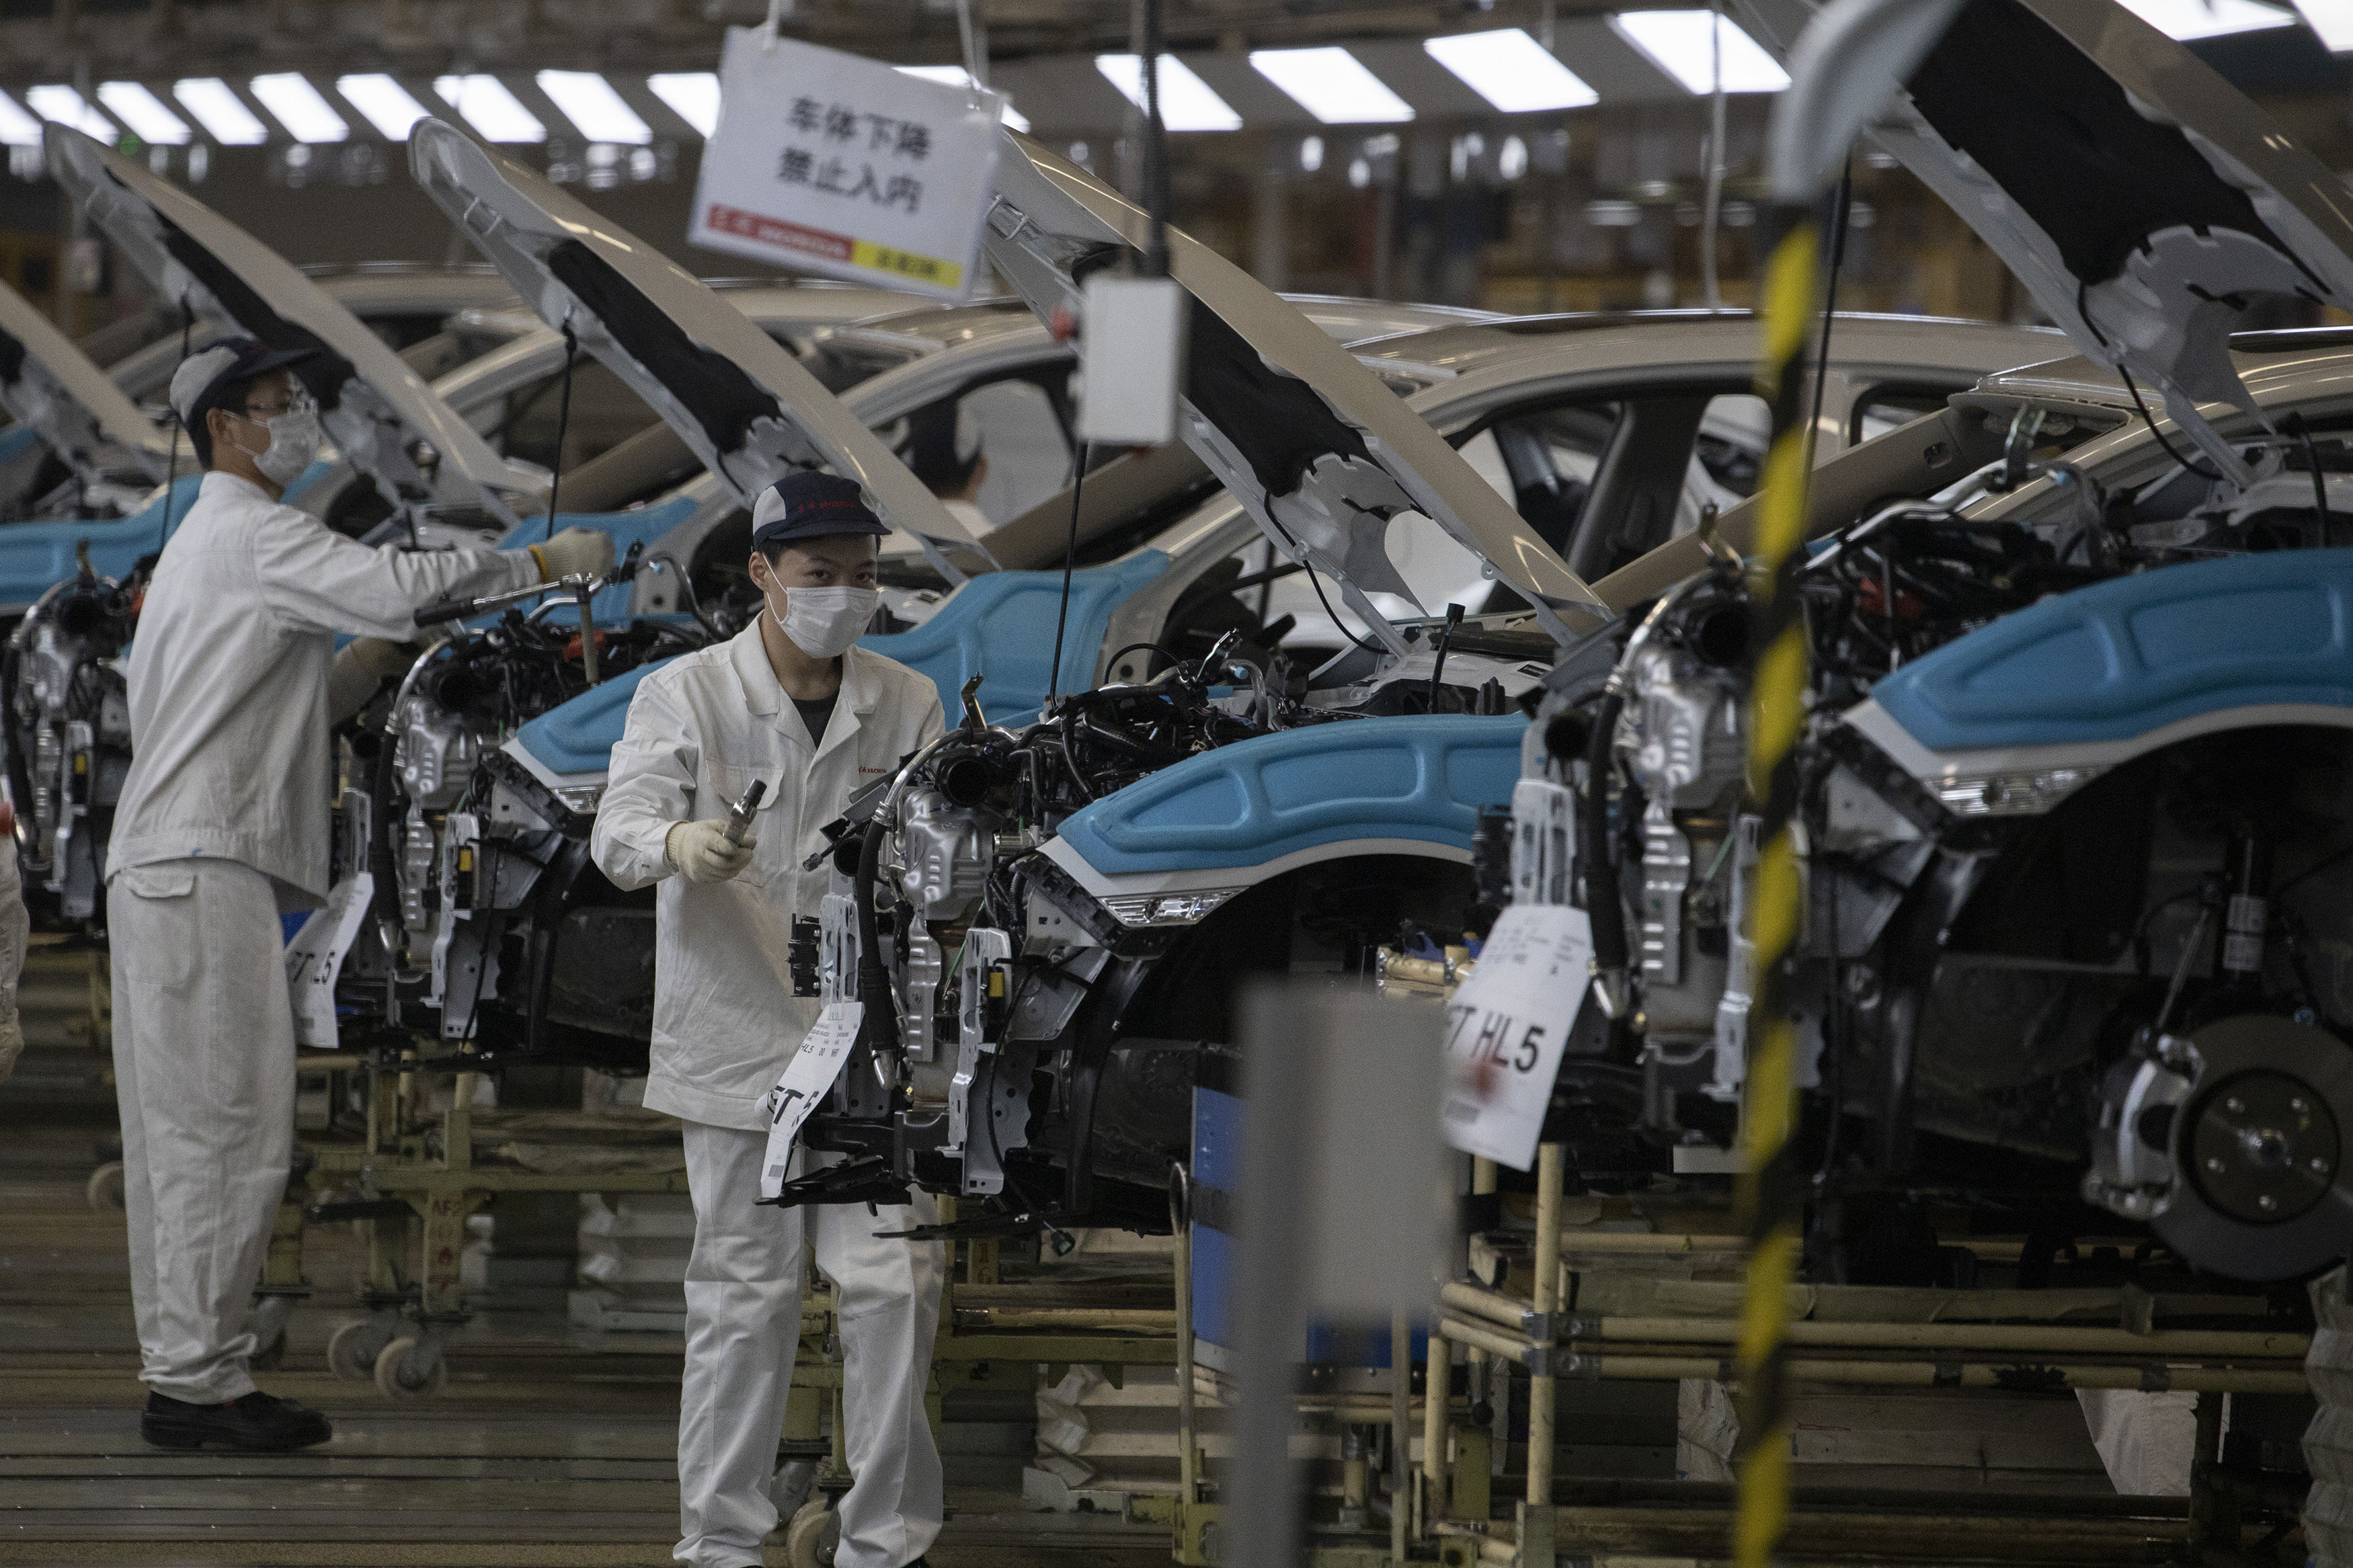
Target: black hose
<point>381,866</point>
<point>20,776</point>
<point>1603,907</point>
<point>882,1024</point>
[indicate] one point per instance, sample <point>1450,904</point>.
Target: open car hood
<point>2142,199</point>
<point>748,409</point>
<point>55,390</point>
<point>374,409</point>
<point>1322,454</point>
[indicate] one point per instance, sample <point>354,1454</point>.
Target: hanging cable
<point>1830,311</point>
<point>563,424</point>
<point>2083,308</point>
<point>972,30</point>
<point>1316,584</point>
<point>172,460</point>
<point>2187,464</point>
<point>1156,150</point>
<point>1070,565</point>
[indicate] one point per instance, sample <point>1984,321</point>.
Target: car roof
<point>1507,346</point>
<point>2282,366</point>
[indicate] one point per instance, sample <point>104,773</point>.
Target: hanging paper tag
<point>1505,1028</point>
<point>315,957</point>
<point>808,1078</point>
<point>830,162</point>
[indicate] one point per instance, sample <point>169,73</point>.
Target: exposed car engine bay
<point>2107,966</point>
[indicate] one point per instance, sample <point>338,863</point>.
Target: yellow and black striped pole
<point>1771,1201</point>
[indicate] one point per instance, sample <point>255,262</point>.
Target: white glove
<point>584,552</point>
<point>362,667</point>
<point>702,852</point>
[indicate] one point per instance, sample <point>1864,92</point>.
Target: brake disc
<point>2262,1145</point>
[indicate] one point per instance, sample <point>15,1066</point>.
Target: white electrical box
<point>1131,361</point>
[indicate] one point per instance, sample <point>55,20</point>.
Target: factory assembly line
<point>1848,799</point>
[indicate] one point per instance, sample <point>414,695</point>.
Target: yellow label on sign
<point>906,263</point>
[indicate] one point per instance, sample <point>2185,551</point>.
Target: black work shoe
<point>257,1421</point>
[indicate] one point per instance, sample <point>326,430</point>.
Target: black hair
<point>233,399</point>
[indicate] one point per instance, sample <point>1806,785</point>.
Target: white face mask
<point>824,622</point>
<point>293,444</point>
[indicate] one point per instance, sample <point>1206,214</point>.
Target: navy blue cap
<point>811,505</point>
<point>205,375</point>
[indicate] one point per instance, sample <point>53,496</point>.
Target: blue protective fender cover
<point>36,556</point>
<point>2120,659</point>
<point>579,736</point>
<point>1000,625</point>
<point>1256,801</point>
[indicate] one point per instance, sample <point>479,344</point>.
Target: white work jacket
<point>228,679</point>
<point>701,728</point>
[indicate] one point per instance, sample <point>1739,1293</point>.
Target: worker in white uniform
<point>222,825</point>
<point>789,702</point>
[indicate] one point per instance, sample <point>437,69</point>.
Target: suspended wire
<point>1070,565</point>
<point>1316,584</point>
<point>171,461</point>
<point>563,424</point>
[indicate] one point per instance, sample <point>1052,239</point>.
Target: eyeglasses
<point>260,413</point>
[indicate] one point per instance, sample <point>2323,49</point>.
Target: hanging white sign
<point>807,1079</point>
<point>831,163</point>
<point>1505,1028</point>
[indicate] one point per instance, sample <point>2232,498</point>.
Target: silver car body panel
<point>51,387</point>
<point>748,409</point>
<point>374,411</point>
<point>1330,508</point>
<point>2143,204</point>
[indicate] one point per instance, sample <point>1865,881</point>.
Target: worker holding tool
<point>221,827</point>
<point>793,705</point>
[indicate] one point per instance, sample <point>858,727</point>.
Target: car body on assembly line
<point>2080,736</point>
<point>1132,909</point>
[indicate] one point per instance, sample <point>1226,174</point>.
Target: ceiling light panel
<point>220,111</point>
<point>144,113</point>
<point>594,109</point>
<point>17,129</point>
<point>956,76</point>
<point>483,101</point>
<point>391,107</point>
<point>300,108</point>
<point>1512,72</point>
<point>1186,102</point>
<point>1677,42</point>
<point>2190,20</point>
<point>67,107</point>
<point>692,96</point>
<point>2332,20</point>
<point>1333,85</point>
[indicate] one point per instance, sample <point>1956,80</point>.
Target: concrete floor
<point>551,1446</point>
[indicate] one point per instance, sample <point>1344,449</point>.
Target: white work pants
<point>203,1070</point>
<point>742,1325</point>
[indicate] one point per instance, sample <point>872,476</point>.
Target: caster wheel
<point>352,1352</point>
<point>398,1374</point>
<point>791,1486</point>
<point>812,1538</point>
<point>105,1189</point>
